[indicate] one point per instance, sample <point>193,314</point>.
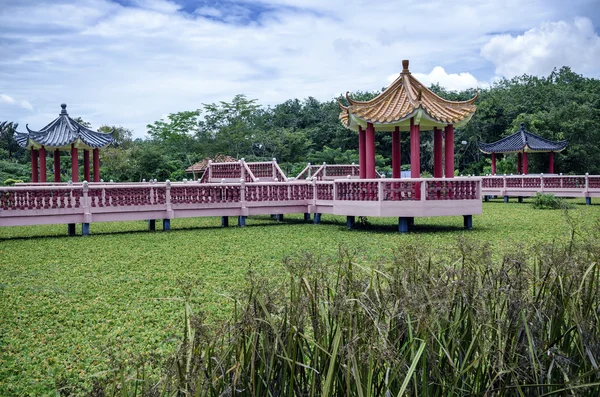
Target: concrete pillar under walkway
<point>307,216</point>
<point>152,225</point>
<point>224,221</point>
<point>166,225</point>
<point>85,229</point>
<point>241,221</point>
<point>350,222</point>
<point>468,221</point>
<point>317,218</point>
<point>71,229</point>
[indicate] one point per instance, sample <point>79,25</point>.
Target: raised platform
<point>87,203</point>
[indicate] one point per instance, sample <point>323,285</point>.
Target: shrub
<point>549,201</point>
<point>11,182</point>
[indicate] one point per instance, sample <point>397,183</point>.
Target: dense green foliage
<point>548,201</point>
<point>564,105</point>
<point>73,308</point>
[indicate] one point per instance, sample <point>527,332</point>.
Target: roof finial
<point>64,108</point>
<point>405,66</point>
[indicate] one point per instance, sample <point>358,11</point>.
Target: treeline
<point>563,105</point>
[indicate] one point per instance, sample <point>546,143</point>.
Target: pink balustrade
<point>452,190</point>
<point>514,182</point>
<point>357,190</point>
<point>594,182</point>
<point>261,170</point>
<point>204,194</point>
<point>324,190</point>
<point>126,196</point>
<point>492,182</point>
<point>225,170</point>
<point>532,182</point>
<point>28,198</point>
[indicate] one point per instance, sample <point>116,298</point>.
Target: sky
<point>131,62</point>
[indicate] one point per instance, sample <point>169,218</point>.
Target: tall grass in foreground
<point>526,326</point>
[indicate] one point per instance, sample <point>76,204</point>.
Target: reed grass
<point>465,323</point>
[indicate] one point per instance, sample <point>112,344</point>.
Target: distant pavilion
<point>64,133</point>
<point>406,105</point>
<point>201,166</point>
<point>522,142</point>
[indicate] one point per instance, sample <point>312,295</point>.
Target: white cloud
<point>6,99</point>
<point>129,66</point>
<point>451,81</point>
<point>541,49</point>
<point>11,101</point>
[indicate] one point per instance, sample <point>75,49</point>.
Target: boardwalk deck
<point>87,203</point>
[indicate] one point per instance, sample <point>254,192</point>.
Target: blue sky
<point>132,62</point>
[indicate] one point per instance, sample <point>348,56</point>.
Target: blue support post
<point>273,216</point>
<point>350,221</point>
<point>71,229</point>
<point>506,199</point>
<point>279,217</point>
<point>241,221</point>
<point>166,225</point>
<point>224,221</point>
<point>307,216</point>
<point>588,201</point>
<point>468,221</point>
<point>486,198</point>
<point>411,221</point>
<point>403,224</point>
<point>317,218</point>
<point>520,199</point>
<point>152,225</point>
<point>85,229</point>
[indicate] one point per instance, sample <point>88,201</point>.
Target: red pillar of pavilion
<point>551,163</point>
<point>438,170</point>
<point>493,163</point>
<point>396,157</point>
<point>415,150</point>
<point>96,165</point>
<point>42,164</point>
<point>86,165</point>
<point>56,165</point>
<point>362,154</point>
<point>525,163</point>
<point>449,135</point>
<point>34,165</point>
<point>74,164</point>
<point>370,151</point>
<point>519,163</point>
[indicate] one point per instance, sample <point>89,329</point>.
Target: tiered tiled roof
<point>405,98</point>
<point>63,132</point>
<point>202,165</point>
<point>522,140</point>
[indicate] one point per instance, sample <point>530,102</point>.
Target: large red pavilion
<point>64,134</point>
<point>407,105</point>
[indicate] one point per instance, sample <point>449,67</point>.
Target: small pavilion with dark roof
<point>406,105</point>
<point>522,142</point>
<point>64,133</point>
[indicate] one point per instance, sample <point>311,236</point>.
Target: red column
<point>42,164</point>
<point>552,162</point>
<point>415,150</point>
<point>74,164</point>
<point>86,165</point>
<point>519,163</point>
<point>56,165</point>
<point>493,163</point>
<point>438,170</point>
<point>525,163</point>
<point>362,154</point>
<point>96,165</point>
<point>370,151</point>
<point>34,165</point>
<point>396,159</point>
<point>449,135</point>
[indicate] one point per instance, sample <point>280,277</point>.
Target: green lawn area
<point>73,307</point>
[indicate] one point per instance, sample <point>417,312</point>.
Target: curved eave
<point>21,138</point>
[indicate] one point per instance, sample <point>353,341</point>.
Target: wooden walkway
<point>36,204</point>
<point>520,186</point>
